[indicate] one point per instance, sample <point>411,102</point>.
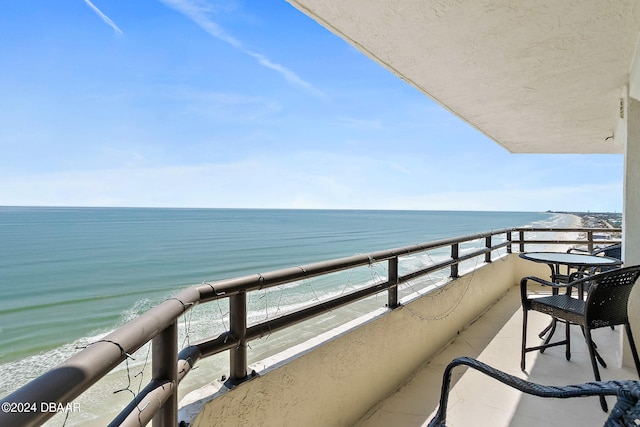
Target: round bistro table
<point>555,259</point>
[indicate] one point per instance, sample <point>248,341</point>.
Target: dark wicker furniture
<point>605,305</point>
<point>626,412</point>
<point>580,261</point>
<point>611,251</point>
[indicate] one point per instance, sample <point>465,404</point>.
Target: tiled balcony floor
<point>477,400</point>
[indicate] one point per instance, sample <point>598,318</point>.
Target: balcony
<point>477,400</point>
<point>380,368</point>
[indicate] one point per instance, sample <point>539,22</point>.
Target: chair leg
<point>544,331</point>
<point>524,339</point>
<point>594,364</point>
<point>552,330</point>
<point>632,344</point>
<point>595,347</point>
<point>567,348</point>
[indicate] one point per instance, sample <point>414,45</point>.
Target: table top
<point>565,258</point>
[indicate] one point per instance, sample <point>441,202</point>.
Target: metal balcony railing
<point>158,400</point>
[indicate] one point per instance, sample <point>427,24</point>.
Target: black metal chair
<point>626,412</point>
<point>605,305</point>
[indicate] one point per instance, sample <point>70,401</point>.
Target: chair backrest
<point>613,251</point>
<point>606,303</point>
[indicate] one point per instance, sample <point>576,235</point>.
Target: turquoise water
<point>69,274</point>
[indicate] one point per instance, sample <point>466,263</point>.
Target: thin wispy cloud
<point>199,12</point>
<point>104,17</point>
<point>288,74</point>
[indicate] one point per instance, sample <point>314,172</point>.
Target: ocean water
<point>70,275</point>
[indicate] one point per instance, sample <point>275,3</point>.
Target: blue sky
<point>249,104</point>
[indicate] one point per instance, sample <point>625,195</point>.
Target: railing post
<point>590,240</point>
<point>455,253</point>
<point>509,248</point>
<point>238,327</point>
<point>521,235</point>
<point>392,293</point>
<point>487,243</point>
<point>164,347</point>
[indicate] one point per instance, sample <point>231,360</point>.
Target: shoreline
<point>599,220</point>
<point>217,366</point>
<point>596,219</point>
<point>577,222</point>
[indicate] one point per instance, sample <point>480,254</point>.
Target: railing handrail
<point>71,378</point>
<point>563,229</point>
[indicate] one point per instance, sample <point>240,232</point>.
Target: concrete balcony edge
<point>335,378</point>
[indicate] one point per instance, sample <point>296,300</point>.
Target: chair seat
<point>564,306</point>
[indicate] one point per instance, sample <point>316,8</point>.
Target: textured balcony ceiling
<point>536,77</point>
